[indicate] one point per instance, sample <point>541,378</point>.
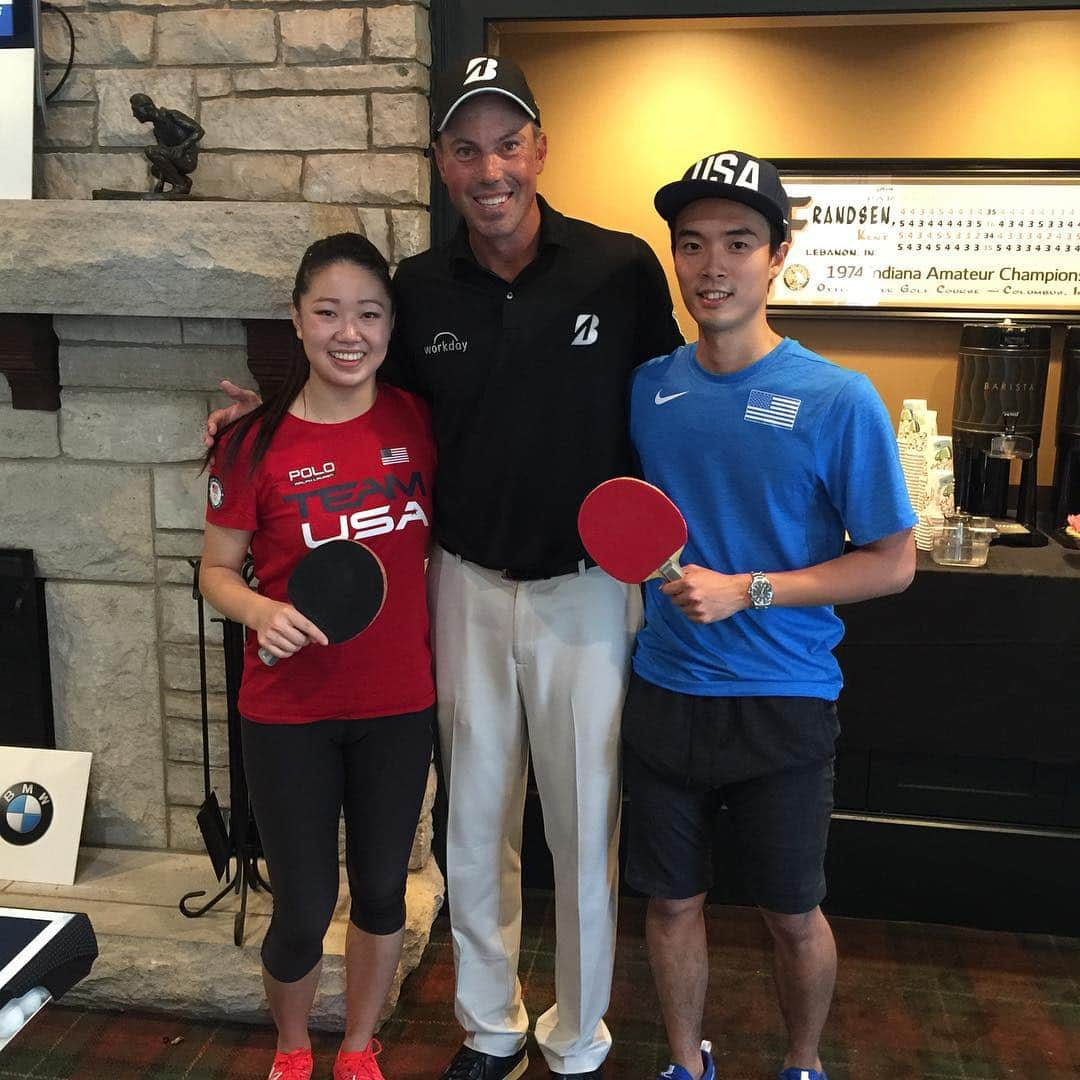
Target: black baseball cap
<point>730,174</point>
<point>480,75</point>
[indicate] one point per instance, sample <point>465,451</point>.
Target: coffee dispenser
<point>997,419</point>
<point>1067,463</point>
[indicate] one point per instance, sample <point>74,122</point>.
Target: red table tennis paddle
<point>632,530</point>
<point>340,586</point>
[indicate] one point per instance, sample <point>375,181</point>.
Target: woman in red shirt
<point>330,728</point>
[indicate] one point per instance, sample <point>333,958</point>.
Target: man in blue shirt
<point>771,452</point>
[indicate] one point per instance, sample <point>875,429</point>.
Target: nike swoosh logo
<point>661,400</point>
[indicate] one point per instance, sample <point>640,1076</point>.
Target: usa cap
<point>480,75</point>
<point>730,174</point>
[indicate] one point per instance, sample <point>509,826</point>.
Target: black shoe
<point>469,1064</point>
<point>594,1075</point>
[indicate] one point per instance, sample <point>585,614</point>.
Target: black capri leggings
<point>301,777</point>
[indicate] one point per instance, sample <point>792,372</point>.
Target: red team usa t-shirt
<point>365,479</point>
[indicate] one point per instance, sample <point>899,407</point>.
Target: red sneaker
<point>296,1065</point>
<point>359,1064</point>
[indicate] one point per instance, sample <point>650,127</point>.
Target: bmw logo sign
<point>26,812</point>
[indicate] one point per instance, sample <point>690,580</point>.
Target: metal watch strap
<point>755,577</point>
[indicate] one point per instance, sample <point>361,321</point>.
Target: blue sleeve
<point>859,463</point>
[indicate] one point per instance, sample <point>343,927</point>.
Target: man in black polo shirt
<point>522,333</point>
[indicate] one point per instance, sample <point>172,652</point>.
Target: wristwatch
<point>760,591</point>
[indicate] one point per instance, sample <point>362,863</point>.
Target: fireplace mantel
<point>175,259</point>
<point>225,260</point>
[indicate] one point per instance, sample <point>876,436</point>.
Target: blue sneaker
<point>801,1074</point>
<point>677,1072</point>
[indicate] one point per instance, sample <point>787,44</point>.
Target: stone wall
<point>108,491</point>
<point>110,495</point>
<point>317,102</point>
<point>302,103</point>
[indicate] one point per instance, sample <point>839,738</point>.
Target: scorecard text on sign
<point>992,243</point>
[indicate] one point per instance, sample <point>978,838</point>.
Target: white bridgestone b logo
<point>480,69</point>
<point>586,330</point>
<point>445,341</point>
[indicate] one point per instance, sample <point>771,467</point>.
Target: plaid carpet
<point>913,1002</point>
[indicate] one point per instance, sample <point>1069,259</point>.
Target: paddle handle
<point>267,657</point>
<point>670,569</point>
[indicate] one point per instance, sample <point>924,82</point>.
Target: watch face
<point>760,592</point>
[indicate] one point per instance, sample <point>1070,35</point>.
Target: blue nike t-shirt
<point>769,466</point>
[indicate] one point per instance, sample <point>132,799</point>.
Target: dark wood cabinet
<point>958,767</point>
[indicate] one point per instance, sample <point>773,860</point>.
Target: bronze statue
<point>176,154</point>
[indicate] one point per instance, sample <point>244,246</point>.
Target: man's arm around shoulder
<point>244,400</point>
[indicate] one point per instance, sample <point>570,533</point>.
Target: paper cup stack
<point>939,505</point>
<point>911,439</point>
<point>926,459</point>
<point>913,462</point>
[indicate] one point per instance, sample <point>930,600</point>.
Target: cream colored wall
<point>628,111</point>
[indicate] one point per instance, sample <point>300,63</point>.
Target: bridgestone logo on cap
<point>480,69</point>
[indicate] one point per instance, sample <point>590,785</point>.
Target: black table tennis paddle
<point>340,586</point>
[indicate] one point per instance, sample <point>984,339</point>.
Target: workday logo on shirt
<point>445,341</point>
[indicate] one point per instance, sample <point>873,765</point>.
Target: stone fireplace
<point>151,305</point>
<point>117,320</point>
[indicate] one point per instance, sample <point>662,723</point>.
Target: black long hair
<point>346,247</point>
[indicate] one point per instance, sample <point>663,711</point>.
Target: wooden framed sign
<point>909,240</point>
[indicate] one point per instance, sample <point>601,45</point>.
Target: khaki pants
<point>540,667</point>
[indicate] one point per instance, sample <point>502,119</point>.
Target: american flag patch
<point>772,409</point>
<point>394,455</point>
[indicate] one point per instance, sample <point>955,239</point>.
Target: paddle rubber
<point>340,586</point>
<point>632,530</point>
